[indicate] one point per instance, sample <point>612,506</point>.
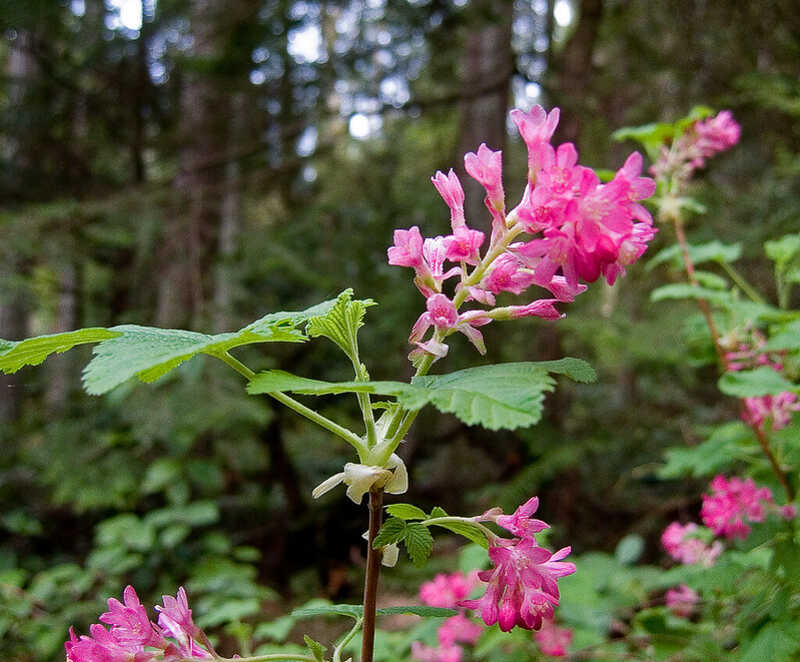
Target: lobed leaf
<point>393,531</point>
<point>503,396</point>
<point>787,338</point>
<point>754,383</point>
<point>713,251</point>
<point>32,351</point>
<point>466,530</point>
<point>354,611</point>
<point>406,511</point>
<point>149,353</point>
<point>341,323</point>
<point>419,543</point>
<point>689,291</point>
<point>417,610</point>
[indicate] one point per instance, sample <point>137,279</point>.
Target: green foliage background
<point>190,481</point>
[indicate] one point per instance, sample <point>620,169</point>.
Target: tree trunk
<point>192,231</point>
<point>573,71</point>
<point>487,66</point>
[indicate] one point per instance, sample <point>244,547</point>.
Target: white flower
<point>361,478</point>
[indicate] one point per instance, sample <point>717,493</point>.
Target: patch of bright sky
<point>362,126</point>
<point>305,43</point>
<point>126,14</point>
<point>563,12</point>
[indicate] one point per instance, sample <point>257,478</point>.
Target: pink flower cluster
<point>578,229</point>
<point>773,410</point>
<point>682,600</point>
<point>522,587</point>
<point>683,544</point>
<point>734,501</point>
<point>132,637</point>
<point>700,141</point>
<point>447,590</point>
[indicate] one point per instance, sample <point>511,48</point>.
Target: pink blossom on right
<point>446,590</point>
<point>682,544</point>
<point>682,600</point>
<point>733,503</point>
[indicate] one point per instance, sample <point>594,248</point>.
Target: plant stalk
<point>350,437</point>
<point>706,310</point>
<point>371,579</point>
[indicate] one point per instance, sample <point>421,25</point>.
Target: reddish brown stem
<point>723,359</point>
<point>371,579</point>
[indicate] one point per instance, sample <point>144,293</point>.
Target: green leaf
<point>629,549</point>
<point>316,648</point>
<point>469,531</point>
<point>438,511</point>
<point>503,396</point>
<point>392,531</point>
<point>777,641</point>
<point>149,352</point>
<point>783,250</point>
<point>727,444</point>
<point>649,136</point>
<point>277,630</point>
<point>406,511</point>
<point>419,543</point>
<point>787,338</point>
<point>416,610</point>
<point>710,280</point>
<point>689,291</point>
<point>713,251</point>
<point>753,383</point>
<point>32,351</point>
<point>354,611</point>
<point>342,322</point>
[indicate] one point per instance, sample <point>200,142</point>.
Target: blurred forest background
<point>198,163</point>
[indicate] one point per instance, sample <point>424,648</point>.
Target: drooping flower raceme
<point>768,412</point>
<point>732,503</point>
<point>133,637</point>
<point>701,140</point>
<point>682,542</point>
<point>523,586</point>
<point>570,226</point>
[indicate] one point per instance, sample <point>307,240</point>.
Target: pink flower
<point>717,134</point>
<point>681,601</point>
<point>703,139</point>
<point>447,590</point>
<point>452,193</point>
<point>130,625</point>
<point>463,245</point>
<point>553,640</point>
<point>101,646</point>
<point>132,633</point>
<point>523,587</point>
<point>507,275</point>
<point>520,523</point>
<point>487,168</point>
<point>407,249</point>
<point>681,543</point>
<point>459,629</point>
<point>420,651</point>
<point>775,410</point>
<point>732,502</point>
<point>536,128</point>
<point>788,511</point>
